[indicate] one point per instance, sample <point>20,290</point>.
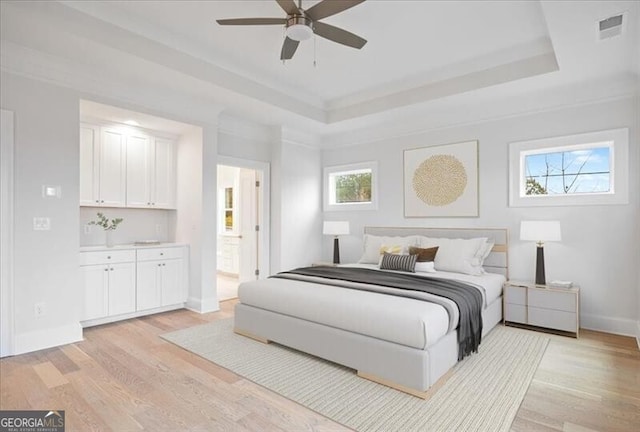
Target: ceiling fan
<point>301,24</point>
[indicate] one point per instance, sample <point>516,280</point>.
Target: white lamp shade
<point>335,228</point>
<point>540,231</point>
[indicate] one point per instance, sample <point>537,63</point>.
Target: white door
<point>112,168</point>
<point>164,181</point>
<point>6,233</point>
<point>171,280</point>
<point>139,170</point>
<point>95,291</point>
<point>248,245</point>
<point>89,165</point>
<point>148,285</point>
<point>122,288</point>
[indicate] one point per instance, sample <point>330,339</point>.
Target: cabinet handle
<point>111,268</point>
<point>109,257</point>
<point>161,253</point>
<point>148,203</point>
<point>97,201</point>
<point>107,269</point>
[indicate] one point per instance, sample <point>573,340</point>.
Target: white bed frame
<point>407,369</point>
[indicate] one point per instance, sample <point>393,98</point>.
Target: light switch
<point>41,223</point>
<point>49,191</point>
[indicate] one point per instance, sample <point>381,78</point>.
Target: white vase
<point>109,238</point>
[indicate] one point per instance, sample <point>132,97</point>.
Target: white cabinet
<point>160,279</point>
<point>229,261</point>
<point>123,167</point>
<point>132,282</point>
<point>151,172</point>
<point>102,166</point>
<point>109,282</point>
<point>542,306</point>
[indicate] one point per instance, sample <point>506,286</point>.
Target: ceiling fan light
<point>299,32</point>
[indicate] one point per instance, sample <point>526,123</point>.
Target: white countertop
<point>128,246</point>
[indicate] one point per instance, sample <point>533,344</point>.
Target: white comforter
<point>401,320</point>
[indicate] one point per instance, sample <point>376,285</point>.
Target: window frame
<point>327,188</point>
<point>616,139</point>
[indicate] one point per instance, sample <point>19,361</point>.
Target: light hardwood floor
<point>124,377</point>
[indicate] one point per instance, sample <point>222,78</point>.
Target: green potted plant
<point>109,225</point>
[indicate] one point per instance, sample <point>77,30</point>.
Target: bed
<point>398,338</point>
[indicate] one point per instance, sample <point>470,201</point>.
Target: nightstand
<point>528,304</point>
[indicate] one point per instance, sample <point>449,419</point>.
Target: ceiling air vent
<point>610,27</point>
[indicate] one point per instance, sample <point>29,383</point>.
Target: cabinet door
<point>173,288</point>
<point>122,288</point>
<point>95,292</point>
<point>139,170</point>
<point>112,168</point>
<point>148,285</point>
<point>164,184</point>
<point>89,165</point>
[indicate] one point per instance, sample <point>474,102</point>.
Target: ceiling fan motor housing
<point>299,27</point>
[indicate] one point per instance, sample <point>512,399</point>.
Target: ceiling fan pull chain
<point>315,49</point>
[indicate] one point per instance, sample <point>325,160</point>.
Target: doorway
<point>242,224</point>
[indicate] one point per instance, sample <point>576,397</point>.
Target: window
<point>583,169</point>
<point>350,187</point>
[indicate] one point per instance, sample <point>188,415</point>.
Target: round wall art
<point>441,181</point>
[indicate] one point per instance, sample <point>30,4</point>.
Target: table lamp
<point>540,232</point>
<point>335,228</point>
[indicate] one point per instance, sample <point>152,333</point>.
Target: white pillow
<point>457,255</point>
<point>373,247</point>
<point>425,267</point>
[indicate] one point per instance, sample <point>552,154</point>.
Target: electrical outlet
<point>40,309</point>
<point>87,229</point>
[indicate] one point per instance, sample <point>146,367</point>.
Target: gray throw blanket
<point>466,297</point>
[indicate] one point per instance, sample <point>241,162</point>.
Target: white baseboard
<point>137,314</point>
<point>203,305</point>
<point>624,327</point>
<point>47,338</point>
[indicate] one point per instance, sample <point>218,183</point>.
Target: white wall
<point>137,224</point>
<point>599,248</point>
<point>45,262</point>
<point>296,206</point>
<point>195,217</point>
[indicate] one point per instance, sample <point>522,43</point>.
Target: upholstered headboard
<point>496,262</point>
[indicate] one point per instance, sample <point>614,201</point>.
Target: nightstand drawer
<point>553,300</point>
<point>554,319</point>
<point>516,295</point>
<point>515,313</point>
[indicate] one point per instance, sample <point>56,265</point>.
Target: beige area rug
<point>483,393</point>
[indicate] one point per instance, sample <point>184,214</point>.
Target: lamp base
<point>336,251</point>
<point>540,278</point>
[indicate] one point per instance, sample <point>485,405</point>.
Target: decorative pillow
<point>424,254</point>
<point>484,252</point>
<point>373,244</point>
<point>457,255</point>
<point>425,267</point>
<point>405,263</point>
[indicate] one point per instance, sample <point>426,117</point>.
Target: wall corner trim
<point>203,305</point>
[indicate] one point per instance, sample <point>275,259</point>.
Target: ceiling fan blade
<point>338,35</point>
<point>327,8</point>
<point>289,6</point>
<point>252,21</point>
<point>289,48</point>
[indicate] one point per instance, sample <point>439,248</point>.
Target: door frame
<point>7,306</point>
<point>264,209</point>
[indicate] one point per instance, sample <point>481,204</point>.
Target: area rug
<point>483,392</point>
